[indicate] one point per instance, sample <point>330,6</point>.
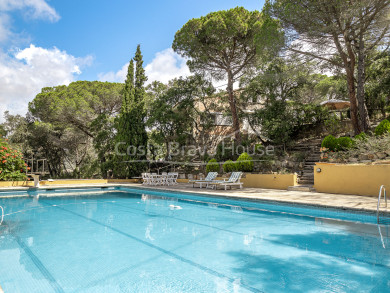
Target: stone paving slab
<point>343,201</point>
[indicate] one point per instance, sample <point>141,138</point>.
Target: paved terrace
<point>343,201</point>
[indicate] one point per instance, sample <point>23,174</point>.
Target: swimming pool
<point>135,240</point>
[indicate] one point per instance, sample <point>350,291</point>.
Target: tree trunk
<point>352,99</point>
<point>364,120</point>
<point>233,109</point>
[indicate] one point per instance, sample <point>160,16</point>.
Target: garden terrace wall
<point>73,181</point>
<point>269,181</point>
<point>65,182</point>
<point>16,184</point>
<point>355,179</point>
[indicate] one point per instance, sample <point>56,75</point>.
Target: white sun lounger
<point>209,178</point>
<point>234,180</point>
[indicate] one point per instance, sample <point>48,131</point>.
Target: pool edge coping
<point>223,194</point>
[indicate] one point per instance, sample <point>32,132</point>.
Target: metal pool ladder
<point>2,218</point>
<point>381,190</point>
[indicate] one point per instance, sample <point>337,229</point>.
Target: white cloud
<point>165,66</point>
<point>111,76</point>
<point>25,72</point>
<point>31,9</point>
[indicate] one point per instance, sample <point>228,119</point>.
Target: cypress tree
<point>131,138</point>
<point>140,93</point>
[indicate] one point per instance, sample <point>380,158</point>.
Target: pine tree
<point>130,123</point>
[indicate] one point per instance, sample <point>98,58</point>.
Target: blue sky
<point>51,42</point>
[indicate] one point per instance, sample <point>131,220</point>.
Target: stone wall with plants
<point>363,148</point>
<point>278,162</point>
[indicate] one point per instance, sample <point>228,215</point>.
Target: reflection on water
<point>124,242</point>
<point>361,229</point>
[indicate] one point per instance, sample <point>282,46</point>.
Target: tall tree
<point>341,33</point>
<point>131,138</point>
<point>78,104</point>
<point>225,44</point>
<point>378,83</point>
<point>69,122</point>
<point>174,112</point>
<point>287,89</point>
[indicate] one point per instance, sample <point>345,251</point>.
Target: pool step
<point>308,188</point>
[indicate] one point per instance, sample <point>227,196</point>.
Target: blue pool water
<point>132,240</point>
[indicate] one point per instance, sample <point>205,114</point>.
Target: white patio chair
<point>164,178</point>
<point>144,178</point>
<point>173,178</point>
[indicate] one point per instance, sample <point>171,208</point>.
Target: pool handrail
<point>2,215</point>
<point>382,188</point>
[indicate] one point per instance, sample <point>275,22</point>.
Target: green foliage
<point>131,138</point>
<point>361,136</point>
<point>259,148</point>
<point>12,166</point>
<point>370,145</point>
<point>332,87</point>
<point>212,166</point>
<point>244,163</point>
<point>383,128</point>
<point>378,83</point>
<point>104,141</point>
<point>330,142</point>
<point>332,124</point>
<point>241,32</point>
<point>344,143</point>
<point>280,121</point>
<point>77,104</point>
<point>285,86</point>
<point>172,111</point>
<point>315,22</point>
<point>225,43</point>
<point>229,166</point>
<point>69,124</point>
<point>3,132</point>
<point>337,144</point>
<point>224,152</point>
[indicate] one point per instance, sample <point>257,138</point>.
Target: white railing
<point>37,166</point>
<point>163,179</point>
<point>379,201</point>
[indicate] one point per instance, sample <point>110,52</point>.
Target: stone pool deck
<point>341,201</point>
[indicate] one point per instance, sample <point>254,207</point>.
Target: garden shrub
<point>244,163</point>
<point>361,136</point>
<point>224,152</point>
<point>330,142</point>
<point>344,143</point>
<point>229,166</point>
<point>336,144</point>
<point>212,166</point>
<point>259,148</point>
<point>12,166</point>
<point>332,124</point>
<point>383,128</point>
